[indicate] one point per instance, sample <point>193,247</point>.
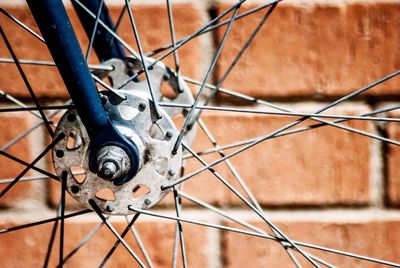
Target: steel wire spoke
<point>32,224</point>
<point>281,237</point>
<point>215,26</point>
<point>30,166</point>
<point>264,112</point>
<point>179,228</point>
<point>236,59</point>
<point>52,238</point>
<point>29,109</point>
<point>28,178</point>
<point>143,60</point>
<point>172,31</point>
<point>294,131</point>
<point>18,102</point>
<point>117,235</point>
<point>27,84</point>
<point>242,184</point>
<point>236,220</point>
<point>62,217</point>
<point>83,241</point>
<point>287,126</point>
<point>120,240</point>
<point>96,23</point>
<point>103,84</point>
<point>26,28</point>
<point>113,33</point>
<point>202,87</point>
<point>26,132</point>
<point>180,44</point>
<point>97,67</point>
<point>140,243</point>
<point>26,164</point>
<point>262,235</point>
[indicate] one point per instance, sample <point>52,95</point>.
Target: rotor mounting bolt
<point>171,172</point>
<point>147,202</point>
<point>168,135</point>
<point>142,106</point>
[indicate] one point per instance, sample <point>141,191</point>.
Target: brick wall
<point>325,186</point>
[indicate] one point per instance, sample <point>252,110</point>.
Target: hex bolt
<point>171,172</point>
<point>107,170</point>
<point>168,135</point>
<point>147,202</point>
<point>142,106</point>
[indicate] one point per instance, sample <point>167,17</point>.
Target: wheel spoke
<point>93,67</point>
<point>172,31</point>
<point>180,44</point>
<point>119,237</point>
<point>30,166</point>
<point>248,204</point>
<point>215,26</point>
<point>32,224</point>
<point>290,125</point>
<point>23,26</point>
<point>93,35</point>
<point>113,33</point>
<point>83,241</point>
<point>140,244</point>
<point>29,109</point>
<point>264,112</point>
<point>243,185</point>
<point>52,238</point>
<point>179,230</point>
<point>143,60</point>
<point>207,76</point>
<point>294,131</point>
<point>26,132</point>
<point>62,217</point>
<point>27,84</point>
<point>236,59</point>
<point>266,236</point>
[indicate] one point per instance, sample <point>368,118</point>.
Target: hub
<point>157,165</point>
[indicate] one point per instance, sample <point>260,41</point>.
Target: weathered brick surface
<point>307,49</point>
<point>21,150</point>
<point>46,80</point>
<point>318,48</point>
<point>320,166</point>
<point>28,247</point>
<point>393,160</point>
<point>245,251</point>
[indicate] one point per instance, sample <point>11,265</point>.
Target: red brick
<point>324,166</point>
<point>393,158</point>
<point>154,33</point>
<point>28,247</point>
<point>318,48</point>
<point>10,127</point>
<point>378,239</point>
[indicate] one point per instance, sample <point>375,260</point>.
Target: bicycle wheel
<point>283,117</point>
